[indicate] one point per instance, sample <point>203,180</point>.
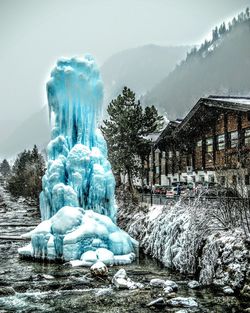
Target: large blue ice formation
<point>77,203</point>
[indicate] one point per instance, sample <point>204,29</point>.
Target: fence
<point>161,199</point>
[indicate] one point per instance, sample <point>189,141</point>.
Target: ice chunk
<point>66,220</point>
<point>79,234</point>
<point>105,256</point>
<point>89,256</point>
<point>42,228</point>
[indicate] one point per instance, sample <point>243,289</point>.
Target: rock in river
<point>193,284</point>
<point>182,302</point>
<point>99,269</point>
<point>168,290</point>
<point>228,290</point>
<point>172,284</point>
<point>6,291</point>
<point>122,281</point>
<point>156,282</point>
<point>158,303</point>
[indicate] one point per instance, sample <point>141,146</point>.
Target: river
<point>50,287</point>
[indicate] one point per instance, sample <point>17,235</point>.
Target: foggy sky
<point>34,33</point>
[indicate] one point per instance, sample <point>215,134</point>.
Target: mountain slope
<point>34,130</point>
<point>221,66</point>
<point>140,68</point>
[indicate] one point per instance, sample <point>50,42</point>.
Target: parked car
<point>161,190</point>
<point>157,190</point>
<point>171,192</point>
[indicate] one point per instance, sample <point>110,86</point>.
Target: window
<point>233,139</point>
<point>170,154</point>
<point>177,153</point>
<point>234,179</point>
<point>209,144</point>
<point>211,178</point>
<point>247,137</point>
<point>202,178</point>
<point>220,142</point>
<point>163,154</point>
<point>222,180</point>
<point>199,143</point>
<point>247,180</point>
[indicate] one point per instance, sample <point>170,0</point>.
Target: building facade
<point>211,144</point>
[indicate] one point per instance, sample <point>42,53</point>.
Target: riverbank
<point>185,238</point>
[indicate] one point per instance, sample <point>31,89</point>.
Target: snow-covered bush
<point>191,238</point>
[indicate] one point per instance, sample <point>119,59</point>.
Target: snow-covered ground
<point>188,238</point>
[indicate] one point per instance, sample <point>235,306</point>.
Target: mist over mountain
<point>34,130</point>
<point>220,66</point>
<point>140,68</point>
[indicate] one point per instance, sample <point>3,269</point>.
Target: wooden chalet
<point>212,143</point>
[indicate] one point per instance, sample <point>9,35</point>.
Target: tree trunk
<point>142,171</point>
<point>130,181</point>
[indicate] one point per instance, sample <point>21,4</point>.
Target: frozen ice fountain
<point>77,203</point>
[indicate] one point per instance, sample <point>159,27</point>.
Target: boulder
<point>122,281</point>
<point>158,303</point>
<point>172,284</point>
<point>182,302</point>
<point>245,292</point>
<point>193,284</point>
<point>99,269</point>
<point>6,291</point>
<point>228,290</point>
<point>156,282</point>
<point>48,277</point>
<point>168,290</point>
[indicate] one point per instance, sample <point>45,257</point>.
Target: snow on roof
<point>240,100</point>
<point>153,136</point>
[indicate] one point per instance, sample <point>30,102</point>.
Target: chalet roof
<point>232,99</point>
<point>167,131</point>
<point>153,136</point>
<point>240,104</point>
<point>230,102</point>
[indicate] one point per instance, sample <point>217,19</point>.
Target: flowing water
<point>50,287</point>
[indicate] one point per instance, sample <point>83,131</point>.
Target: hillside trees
<point>5,168</point>
<point>26,176</point>
<point>219,67</point>
<point>126,132</point>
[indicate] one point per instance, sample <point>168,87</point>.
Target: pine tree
<point>5,168</point>
<point>215,34</point>
<point>247,14</point>
<point>27,172</point>
<point>125,132</point>
<point>222,29</point>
